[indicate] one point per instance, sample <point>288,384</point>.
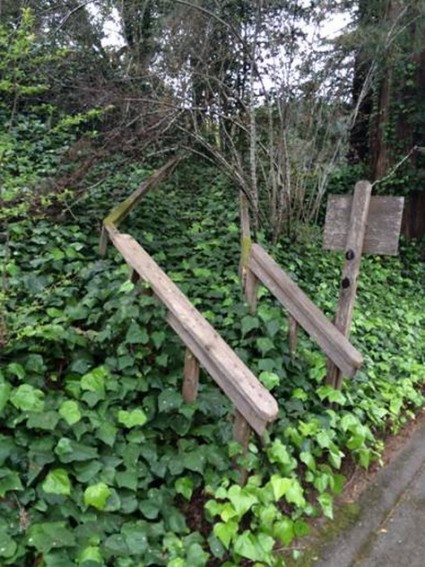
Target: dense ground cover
<point>103,464</point>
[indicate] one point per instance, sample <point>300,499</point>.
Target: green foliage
<point>102,463</point>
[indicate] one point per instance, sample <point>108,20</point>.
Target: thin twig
<point>397,166</point>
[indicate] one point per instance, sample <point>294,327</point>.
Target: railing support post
<point>191,377</point>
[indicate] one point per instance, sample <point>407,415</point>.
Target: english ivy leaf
<point>34,363</point>
<point>241,500</point>
<point>7,448</point>
<point>15,369</point>
<point>249,323</point>
<point>46,420</point>
<point>194,461</point>
<point>50,535</point>
<point>97,495</point>
<point>326,502</point>
<point>184,486</point>
<point>92,554</point>
<point>196,556</point>
<point>308,459</point>
<point>280,486</point>
<point>278,453</point>
<point>94,381</point>
<point>158,338</point>
<point>57,482</point>
<point>70,412</point>
<point>273,327</point>
<point>150,509</point>
<point>9,480</point>
<point>116,546</point>
<point>269,379</point>
<point>7,545</point>
<point>5,390</point>
<point>254,547</point>
<point>264,345</point>
<point>284,530</point>
<point>295,494</point>
<point>132,418</point>
<point>301,528</point>
<point>136,335</point>
<point>126,287</point>
<point>127,479</point>
<point>323,438</point>
<point>28,398</point>
<point>169,400</point>
<point>225,532</point>
<point>69,451</point>
<point>107,433</point>
<point>135,535</point>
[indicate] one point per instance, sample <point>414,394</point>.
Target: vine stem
<point>398,165</point>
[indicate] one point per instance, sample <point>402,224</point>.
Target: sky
<point>330,28</point>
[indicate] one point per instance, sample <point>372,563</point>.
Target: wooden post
<point>242,433</point>
<point>241,430</point>
<point>245,236</point>
<point>103,244</point>
<point>249,280</point>
<point>191,377</point>
<point>353,255</point>
<point>251,290</point>
<point>292,334</point>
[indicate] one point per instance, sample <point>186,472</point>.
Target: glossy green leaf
<point>132,418</point>
<point>28,398</point>
<point>97,495</point>
<point>70,412</point>
<point>226,531</point>
<point>57,482</point>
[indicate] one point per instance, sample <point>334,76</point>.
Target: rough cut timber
<point>360,206</point>
<point>382,228</point>
<point>305,312</point>
<point>249,396</point>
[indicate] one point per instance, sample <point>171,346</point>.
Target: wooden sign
<point>383,224</point>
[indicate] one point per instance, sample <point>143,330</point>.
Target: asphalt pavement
<point>387,525</point>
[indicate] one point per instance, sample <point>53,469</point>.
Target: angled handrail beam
<point>305,312</point>
<point>123,209</point>
<point>252,400</point>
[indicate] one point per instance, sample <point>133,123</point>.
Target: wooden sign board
<point>382,229</point>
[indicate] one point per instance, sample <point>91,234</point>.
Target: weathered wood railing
<point>338,348</point>
<point>255,406</point>
<point>122,210</point>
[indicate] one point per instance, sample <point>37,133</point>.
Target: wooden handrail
<point>122,210</point>
<point>240,385</point>
<point>305,312</point>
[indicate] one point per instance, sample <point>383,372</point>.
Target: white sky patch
<point>111,25</point>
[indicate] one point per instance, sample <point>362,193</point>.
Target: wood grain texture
<point>251,290</point>
<point>191,377</point>
<point>382,228</point>
<point>353,253</point>
<point>292,334</point>
<point>241,430</point>
<point>305,312</point>
<point>253,401</point>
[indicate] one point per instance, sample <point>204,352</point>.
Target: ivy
<point>102,462</point>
